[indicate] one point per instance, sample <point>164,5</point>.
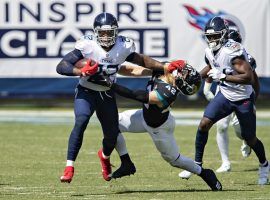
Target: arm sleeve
<point>66,65</point>
<point>138,95</point>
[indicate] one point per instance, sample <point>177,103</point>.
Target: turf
<point>33,157</point>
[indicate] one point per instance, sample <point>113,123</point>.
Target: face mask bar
<point>106,36</point>
<point>180,79</point>
<point>215,39</point>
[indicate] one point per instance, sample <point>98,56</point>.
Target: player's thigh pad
<point>218,108</point>
<point>131,121</point>
<point>164,140</point>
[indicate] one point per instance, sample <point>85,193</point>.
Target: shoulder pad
<point>85,44</point>
<point>232,46</point>
<point>126,42</point>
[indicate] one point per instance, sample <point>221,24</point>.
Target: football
<point>81,63</point>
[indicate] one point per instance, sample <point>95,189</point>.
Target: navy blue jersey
<point>153,115</point>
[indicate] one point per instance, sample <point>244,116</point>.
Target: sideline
<point>189,118</point>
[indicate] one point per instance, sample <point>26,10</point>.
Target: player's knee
<point>237,130</point>
<point>205,124</point>
<point>251,141</point>
<point>222,128</point>
<point>167,158</point>
<point>82,120</point>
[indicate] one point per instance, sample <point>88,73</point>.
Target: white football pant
<point>162,136</point>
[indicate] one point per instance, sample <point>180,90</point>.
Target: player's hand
<point>89,68</point>
<point>104,81</point>
<point>216,75</point>
<point>178,64</point>
<point>207,91</point>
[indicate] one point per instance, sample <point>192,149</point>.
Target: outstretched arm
<point>131,70</point>
<point>145,61</point>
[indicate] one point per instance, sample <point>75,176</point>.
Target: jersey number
<point>171,89</point>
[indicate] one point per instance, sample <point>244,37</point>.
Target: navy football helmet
<point>235,35</point>
<point>216,33</point>
<point>187,80</point>
<point>105,29</point>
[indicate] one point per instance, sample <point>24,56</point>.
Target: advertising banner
<point>35,35</point>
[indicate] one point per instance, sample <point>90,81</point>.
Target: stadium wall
<point>35,35</point>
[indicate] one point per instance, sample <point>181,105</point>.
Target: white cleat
<point>263,174</point>
<point>185,174</point>
<point>245,150</point>
<point>225,167</point>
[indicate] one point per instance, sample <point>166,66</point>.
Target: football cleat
<point>245,150</point>
<point>185,174</point>
<point>210,178</point>
<point>263,174</point>
<point>225,167</point>
<point>126,169</point>
<point>106,166</point>
<point>68,175</point>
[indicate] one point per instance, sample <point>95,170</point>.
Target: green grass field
<point>33,158</point>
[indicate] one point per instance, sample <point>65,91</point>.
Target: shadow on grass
<point>158,191</point>
<point>191,190</point>
<point>4,184</point>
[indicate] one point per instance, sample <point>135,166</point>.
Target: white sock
<point>70,163</point>
<point>104,156</point>
<point>187,164</point>
<point>223,145</point>
<point>121,147</point>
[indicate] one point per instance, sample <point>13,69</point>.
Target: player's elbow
<point>60,67</point>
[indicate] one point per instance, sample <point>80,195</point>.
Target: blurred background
<point>35,35</point>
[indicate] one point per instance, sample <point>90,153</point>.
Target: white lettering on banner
<point>8,49</point>
<point>17,12</point>
<point>42,43</point>
<point>156,44</point>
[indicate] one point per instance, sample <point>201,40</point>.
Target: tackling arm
<point>131,70</point>
<point>66,65</point>
<point>145,61</point>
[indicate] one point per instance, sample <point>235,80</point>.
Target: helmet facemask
<point>184,80</point>
<point>106,35</point>
<point>215,39</point>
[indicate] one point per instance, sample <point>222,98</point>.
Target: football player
<point>227,64</point>
<point>109,50</point>
<point>155,118</point>
<point>223,124</point>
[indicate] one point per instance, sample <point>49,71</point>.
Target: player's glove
<point>104,81</point>
<point>89,69</point>
<point>216,75</point>
<point>207,91</point>
<point>178,64</point>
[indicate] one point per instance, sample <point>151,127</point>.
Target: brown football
<point>81,63</point>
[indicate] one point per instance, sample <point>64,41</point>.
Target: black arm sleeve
<point>66,65</point>
<point>138,95</point>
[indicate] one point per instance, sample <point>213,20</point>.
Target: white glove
<point>216,75</point>
<point>207,92</point>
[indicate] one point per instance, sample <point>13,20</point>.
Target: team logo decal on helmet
<point>105,29</point>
